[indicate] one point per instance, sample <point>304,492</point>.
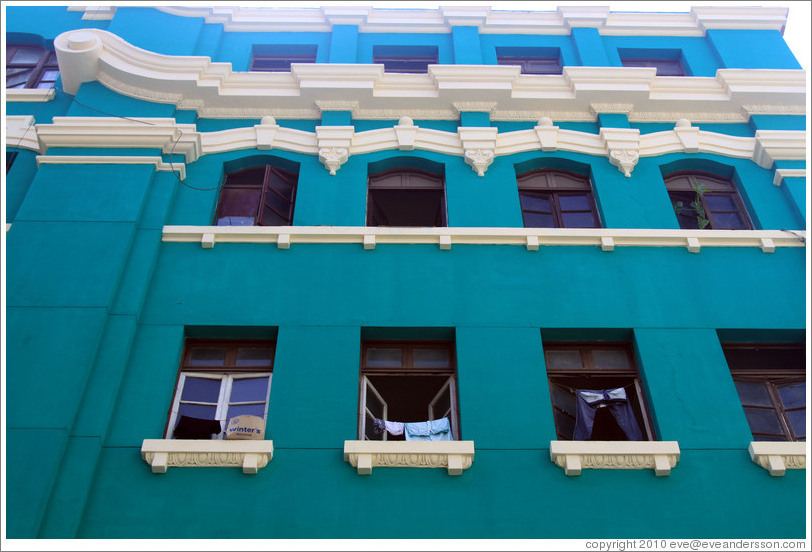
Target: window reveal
<point>278,57</point>
<point>406,197</point>
<point>405,59</point>
<point>257,196</point>
<point>666,67</point>
<point>557,199</point>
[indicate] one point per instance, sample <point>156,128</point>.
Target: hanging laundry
<point>432,430</point>
<point>589,400</point>
<point>395,428</point>
<point>378,426</point>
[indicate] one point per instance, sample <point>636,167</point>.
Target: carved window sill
<point>192,453</point>
<point>455,456</point>
<point>777,457</point>
<point>574,456</point>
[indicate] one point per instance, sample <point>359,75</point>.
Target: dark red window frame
<point>41,73</point>
<point>274,196</point>
<point>721,202</point>
<point>552,198</point>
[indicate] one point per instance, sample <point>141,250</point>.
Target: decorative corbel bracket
<point>548,134</point>
<point>77,53</point>
<point>266,132</point>
<point>334,145</point>
<point>406,133</point>
<point>479,145</point>
<point>777,457</point>
<point>772,145</point>
<point>688,136</point>
<point>623,146</point>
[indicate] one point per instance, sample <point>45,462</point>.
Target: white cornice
<point>212,89</point>
<point>489,21</point>
<point>157,162</point>
<point>98,13</point>
<point>21,132</point>
<point>30,94</point>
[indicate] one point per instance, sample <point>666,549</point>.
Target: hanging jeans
<point>433,430</point>
<point>589,400</point>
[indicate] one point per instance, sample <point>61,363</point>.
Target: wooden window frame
<point>770,377</point>
<point>291,177</point>
<point>46,62</point>
<point>716,185</point>
<point>226,372</point>
<point>526,62</point>
<point>537,183</point>
<point>666,67</point>
<point>427,181</point>
<point>587,372</point>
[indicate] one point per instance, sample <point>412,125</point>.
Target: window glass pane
<point>769,438</point>
<point>442,407</point>
<point>272,218</point>
<point>201,390</point>
<point>574,202</point>
<point>254,356</point>
<point>239,202</point>
<point>430,357</point>
<point>538,220</point>
<point>535,203</point>
<point>273,199</point>
<point>45,85</point>
<point>49,75</point>
<point>384,358</point>
<point>15,77</point>
<point>730,221</point>
<point>563,399</point>
<point>198,411</point>
<point>374,406</point>
<point>27,55</point>
<point>207,356</point>
<point>797,419</point>
<point>564,425</point>
<point>610,359</point>
<point>720,203</point>
<point>578,220</point>
<point>563,359</point>
<point>249,389</point>
<point>792,395</point>
<point>246,409</point>
<point>763,420</point>
<point>753,393</point>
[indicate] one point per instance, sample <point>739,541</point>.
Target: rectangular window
<point>771,382</point>
<point>408,383</point>
<point>557,199</point>
<point>706,201</point>
<point>257,196</point>
<point>406,197</point>
<point>278,57</point>
<point>29,66</point>
<point>405,59</point>
<point>218,380</point>
<point>596,392</point>
<point>667,61</point>
<point>533,61</point>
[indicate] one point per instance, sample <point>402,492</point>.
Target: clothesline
<point>430,430</point>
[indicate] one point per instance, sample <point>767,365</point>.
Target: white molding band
<point>623,147</point>
<point>214,89</point>
<point>369,237</point>
<point>157,162</point>
<point>249,455</point>
<point>781,174</point>
<point>777,456</point>
<point>441,20</point>
<point>30,94</point>
<point>574,456</point>
<point>455,456</point>
<point>97,13</point>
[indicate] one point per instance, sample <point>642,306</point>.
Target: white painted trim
<point>371,237</point>
<point>159,164</point>
<point>21,132</point>
<point>574,456</point>
<point>214,89</point>
<point>97,13</point>
<point>30,94</point>
<point>777,456</point>
<point>250,455</point>
<point>455,456</point>
<point>781,174</point>
<point>561,21</point>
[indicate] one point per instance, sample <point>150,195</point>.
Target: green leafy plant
<point>696,205</point>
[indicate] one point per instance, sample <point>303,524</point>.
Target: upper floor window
<point>29,66</point>
<point>406,197</point>
<point>703,200</point>
<point>278,57</point>
<point>219,380</point>
<point>668,62</point>
<point>405,59</point>
<point>408,391</point>
<point>10,157</point>
<point>557,199</point>
<point>261,196</point>
<point>533,61</point>
<point>771,383</point>
<point>596,392</point>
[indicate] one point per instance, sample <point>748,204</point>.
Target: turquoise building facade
<point>116,264</point>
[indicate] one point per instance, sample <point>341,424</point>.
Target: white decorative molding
<point>623,145</point>
<point>781,174</point>
<point>21,132</point>
<point>213,89</point>
<point>777,456</point>
<point>157,162</point>
<point>773,145</point>
<point>97,13</point>
<point>455,456</point>
<point>574,456</point>
<point>334,145</point>
<point>30,94</point>
<point>531,238</point>
<point>479,145</point>
<point>249,455</point>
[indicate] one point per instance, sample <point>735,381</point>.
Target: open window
<point>278,57</point>
<point>219,380</point>
<point>406,197</point>
<point>407,390</point>
<point>557,199</point>
<point>771,382</point>
<point>405,59</point>
<point>533,61</point>
<point>596,392</point>
<point>706,201</point>
<point>257,196</point>
<point>30,66</point>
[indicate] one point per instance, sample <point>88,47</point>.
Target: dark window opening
<point>706,201</point>
<point>278,57</point>
<point>406,382</point>
<point>533,60</point>
<point>257,196</point>
<point>406,197</point>
<point>598,380</point>
<point>10,157</point>
<point>771,383</point>
<point>666,67</point>
<point>29,66</point>
<point>405,59</point>
<point>557,199</point>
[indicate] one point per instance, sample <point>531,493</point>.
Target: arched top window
<point>257,196</point>
<point>406,197</point>
<point>30,66</point>
<point>703,200</point>
<point>552,198</point>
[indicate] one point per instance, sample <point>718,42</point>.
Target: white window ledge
<point>574,456</point>
<point>30,94</point>
<point>455,456</point>
<point>777,457</point>
<point>194,453</point>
